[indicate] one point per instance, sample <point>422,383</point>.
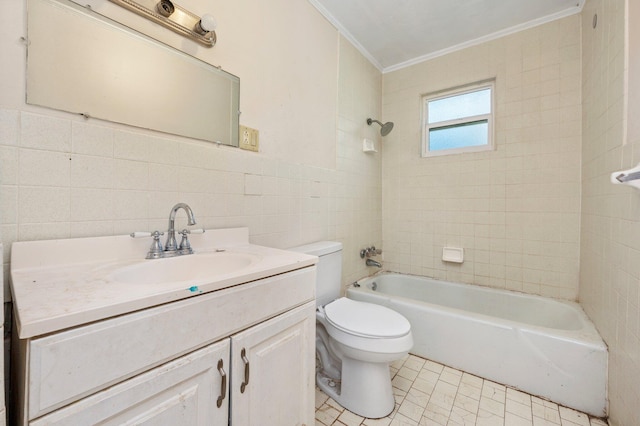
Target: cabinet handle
<point>223,386</point>
<point>244,384</point>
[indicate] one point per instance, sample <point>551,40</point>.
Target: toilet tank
<point>329,269</point>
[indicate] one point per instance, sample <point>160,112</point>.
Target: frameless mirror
<point>85,63</point>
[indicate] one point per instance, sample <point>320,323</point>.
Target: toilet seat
<point>366,320</point>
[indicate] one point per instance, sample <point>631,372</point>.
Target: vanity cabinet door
<point>273,367</point>
<point>185,391</point>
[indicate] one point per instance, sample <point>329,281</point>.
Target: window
<point>459,120</point>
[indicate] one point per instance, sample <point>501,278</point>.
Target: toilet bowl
<point>355,341</point>
<point>361,340</point>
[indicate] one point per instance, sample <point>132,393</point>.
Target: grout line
<point>488,390</point>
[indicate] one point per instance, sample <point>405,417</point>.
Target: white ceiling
<point>393,34</point>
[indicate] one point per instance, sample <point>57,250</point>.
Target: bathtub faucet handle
<point>369,251</point>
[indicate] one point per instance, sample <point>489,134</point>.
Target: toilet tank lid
<point>319,248</point>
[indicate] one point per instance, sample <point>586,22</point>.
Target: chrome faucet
<point>171,245</point>
<point>371,262</point>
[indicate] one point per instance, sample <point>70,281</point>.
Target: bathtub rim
<point>587,335</point>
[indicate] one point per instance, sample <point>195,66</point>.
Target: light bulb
<point>208,23</point>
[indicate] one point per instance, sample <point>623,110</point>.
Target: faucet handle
<point>155,251</point>
<point>139,234</point>
<point>184,242</point>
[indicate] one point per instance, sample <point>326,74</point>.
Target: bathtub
<point>541,346</point>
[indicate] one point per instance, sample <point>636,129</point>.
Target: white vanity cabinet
<point>272,365</point>
<point>163,365</point>
<point>181,392</point>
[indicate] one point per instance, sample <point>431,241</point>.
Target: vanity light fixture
<point>176,18</point>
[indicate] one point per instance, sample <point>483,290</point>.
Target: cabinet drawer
<point>181,392</point>
<point>70,365</point>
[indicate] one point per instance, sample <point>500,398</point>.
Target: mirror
<point>81,62</point>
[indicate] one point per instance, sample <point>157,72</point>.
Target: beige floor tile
<point>408,373</point>
<point>549,414</point>
<point>519,409</point>
<point>492,406</point>
<point>511,419</point>
<point>377,422</point>
<point>429,394</point>
<point>428,375</point>
<point>573,416</point>
<point>471,380</point>
<point>400,420</point>
<point>433,366</point>
<point>460,416</point>
<point>414,363</point>
<point>436,414</point>
<point>425,386</point>
<point>333,403</point>
<point>470,391</point>
<point>401,383</point>
<point>443,395</point>
<point>321,398</point>
<point>518,396</point>
<point>327,414</point>
<point>350,419</point>
<point>411,410</point>
<point>494,391</point>
<point>417,396</point>
<point>450,375</point>
<point>430,422</point>
<point>537,421</point>
<point>486,418</point>
<point>466,403</point>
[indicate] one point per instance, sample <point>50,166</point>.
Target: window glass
<point>450,137</point>
<point>459,120</point>
<point>459,106</point>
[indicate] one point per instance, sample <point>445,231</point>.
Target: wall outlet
<point>249,138</point>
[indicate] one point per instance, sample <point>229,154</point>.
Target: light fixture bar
<point>179,19</point>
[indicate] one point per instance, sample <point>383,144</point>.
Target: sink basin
<point>194,267</point>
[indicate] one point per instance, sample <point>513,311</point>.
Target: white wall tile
<point>479,200</point>
<point>9,127</point>
<point>45,132</point>
<point>92,140</point>
<point>91,172</point>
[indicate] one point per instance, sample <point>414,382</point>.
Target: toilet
<point>355,341</point>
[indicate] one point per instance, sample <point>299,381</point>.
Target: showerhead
<point>385,128</point>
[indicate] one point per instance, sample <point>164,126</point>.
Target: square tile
<point>430,398</point>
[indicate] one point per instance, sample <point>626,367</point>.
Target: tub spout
<point>371,262</point>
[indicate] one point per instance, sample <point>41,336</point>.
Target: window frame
<point>448,93</point>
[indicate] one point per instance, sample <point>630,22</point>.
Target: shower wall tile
<point>505,207</point>
<point>610,248</point>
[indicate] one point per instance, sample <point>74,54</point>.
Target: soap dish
<point>453,254</point>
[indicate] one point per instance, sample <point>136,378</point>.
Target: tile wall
<point>610,238</point>
<point>515,210</point>
<point>62,176</point>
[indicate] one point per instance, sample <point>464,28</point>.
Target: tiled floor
<point>428,393</point>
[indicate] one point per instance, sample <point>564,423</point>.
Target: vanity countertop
<point>57,284</point>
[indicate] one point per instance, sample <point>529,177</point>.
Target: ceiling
<point>393,34</point>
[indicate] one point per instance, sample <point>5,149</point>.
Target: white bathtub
<point>542,346</point>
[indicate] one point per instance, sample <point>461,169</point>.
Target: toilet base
<point>364,389</point>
